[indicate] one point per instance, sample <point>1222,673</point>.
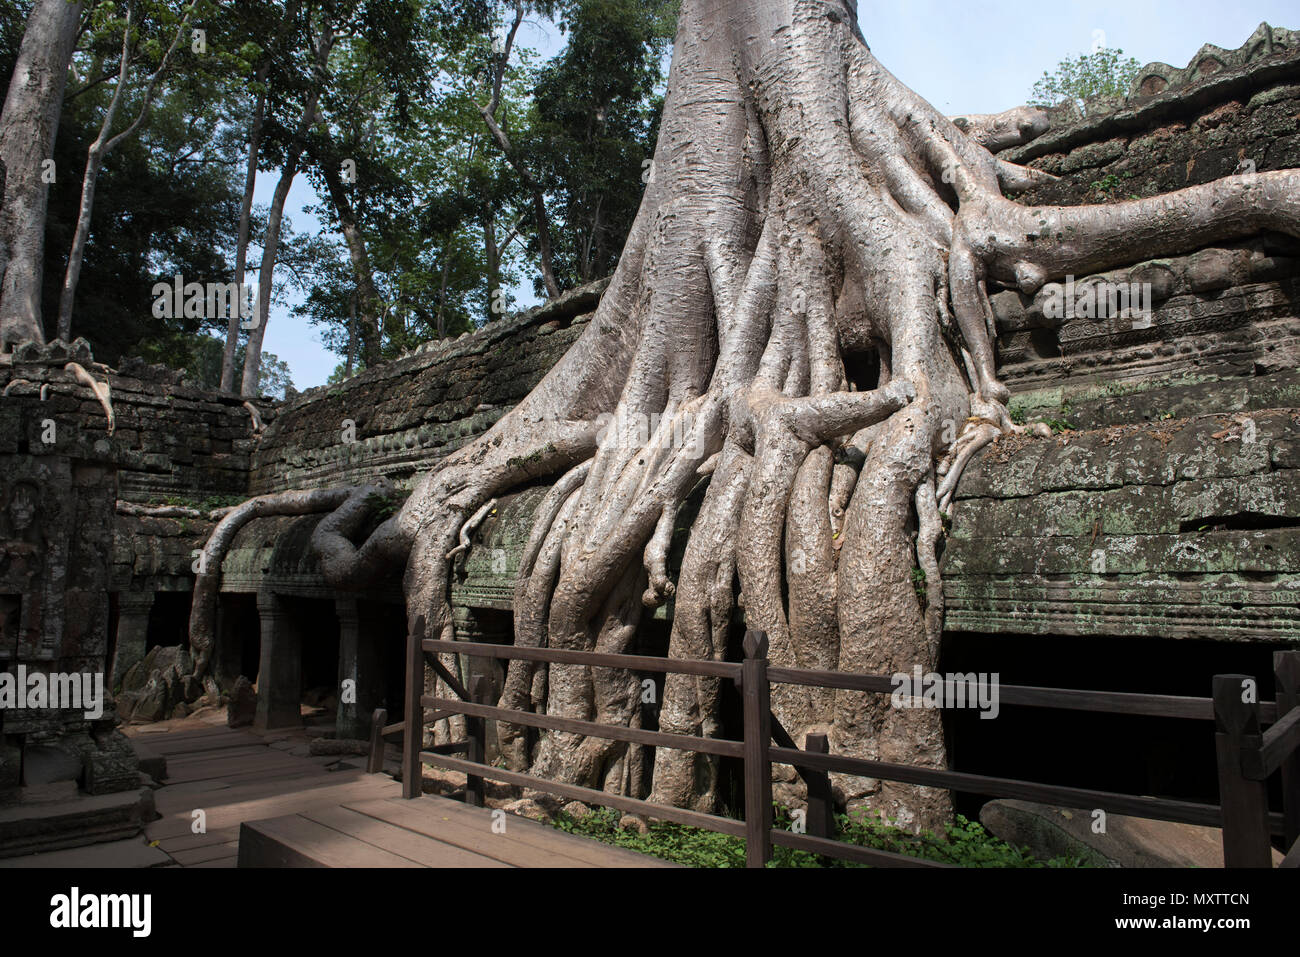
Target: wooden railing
<point>1247,756</point>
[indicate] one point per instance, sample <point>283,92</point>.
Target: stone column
<point>359,663</point>
<point>133,609</point>
<point>279,674</point>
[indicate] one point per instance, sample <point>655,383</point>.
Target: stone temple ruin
<point>1156,530</point>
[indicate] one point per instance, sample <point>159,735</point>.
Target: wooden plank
<point>184,758</point>
<point>174,799</point>
<point>294,841</point>
<point>476,730</point>
<point>681,666</point>
<point>710,822</point>
<point>212,852</point>
<point>234,767</point>
<point>413,737</point>
<point>525,843</point>
<point>223,862</point>
<point>419,848</point>
<point>1244,801</point>
<point>189,841</point>
<point>1286,675</point>
<point>269,775</point>
<point>1067,699</point>
<point>757,709</point>
<point>1160,809</point>
<point>849,852</point>
<point>375,762</point>
<point>660,739</point>
<point>440,819</point>
<point>1279,743</point>
<point>223,742</point>
<point>821,802</point>
<point>174,735</point>
<point>247,807</point>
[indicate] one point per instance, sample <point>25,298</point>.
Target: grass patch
<point>967,843</point>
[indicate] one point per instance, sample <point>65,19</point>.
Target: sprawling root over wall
<point>807,214</point>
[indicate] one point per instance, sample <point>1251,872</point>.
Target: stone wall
<point>1167,505</point>
<point>1181,529</point>
<point>398,419</point>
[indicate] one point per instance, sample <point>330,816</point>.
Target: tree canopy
<point>427,227</point>
<point>1103,72</point>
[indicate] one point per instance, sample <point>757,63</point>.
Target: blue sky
<point>964,57</point>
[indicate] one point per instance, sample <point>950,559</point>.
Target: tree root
<point>100,390</point>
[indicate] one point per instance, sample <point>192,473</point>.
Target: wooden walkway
<point>424,832</point>
<point>263,800</point>
<point>234,776</point>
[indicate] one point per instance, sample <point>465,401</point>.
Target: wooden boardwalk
<point>234,776</point>
<point>262,800</point>
<point>423,832</point>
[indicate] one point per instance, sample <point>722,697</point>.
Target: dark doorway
<point>239,640</point>
<point>169,619</point>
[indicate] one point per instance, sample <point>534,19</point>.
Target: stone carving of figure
<point>22,541</point>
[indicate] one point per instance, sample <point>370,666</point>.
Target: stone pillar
<point>359,663</point>
<point>279,673</point>
<point>133,609</point>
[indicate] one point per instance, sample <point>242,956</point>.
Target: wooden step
<point>295,841</point>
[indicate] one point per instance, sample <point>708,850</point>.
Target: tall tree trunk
<point>352,334</point>
<point>28,126</point>
<point>271,241</point>
<point>265,277</point>
<point>99,149</point>
<point>440,322</point>
<point>493,264</point>
<point>94,160</point>
<point>362,274</point>
<point>540,215</point>
<point>241,240</point>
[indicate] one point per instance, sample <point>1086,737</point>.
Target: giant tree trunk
<point>804,208</point>
<point>28,126</point>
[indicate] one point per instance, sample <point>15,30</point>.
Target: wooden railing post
<point>1244,802</point>
<point>413,733</point>
<point>758,736</point>
<point>821,818</point>
<point>1286,672</point>
<point>377,722</point>
<point>476,729</point>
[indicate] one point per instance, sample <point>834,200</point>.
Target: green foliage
<point>1104,72</point>
<point>382,506</point>
<point>443,217</point>
<point>594,126</point>
<point>1107,184</point>
<point>200,354</point>
<point>918,585</point>
<point>965,843</point>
